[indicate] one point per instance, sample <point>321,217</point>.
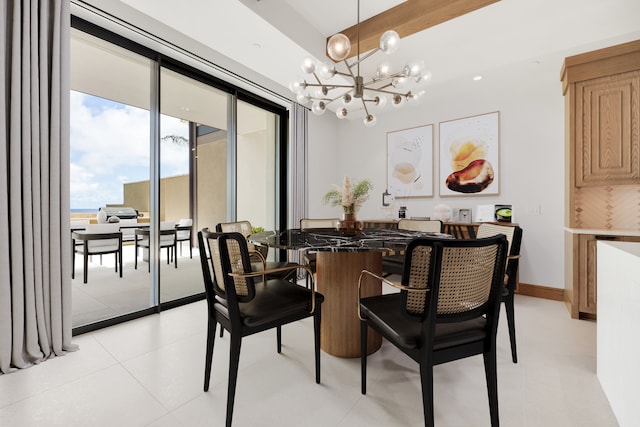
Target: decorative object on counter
<point>350,198</point>
<point>503,213</point>
<point>442,212</point>
<point>102,216</point>
<point>410,162</point>
<point>469,153</point>
<point>402,213</point>
<point>353,86</point>
<point>486,213</point>
<point>465,215</point>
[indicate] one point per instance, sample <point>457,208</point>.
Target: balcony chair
<point>242,308</point>
<point>167,240</point>
<point>183,234</point>
<point>514,237</point>
<point>96,239</point>
<point>392,264</point>
<point>443,312</point>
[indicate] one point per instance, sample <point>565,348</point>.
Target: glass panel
<point>256,163</point>
<point>110,104</point>
<point>193,127</point>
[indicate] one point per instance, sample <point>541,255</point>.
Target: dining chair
<point>514,237</point>
<point>183,234</point>
<point>447,309</point>
<point>97,239</point>
<point>257,253</point>
<point>167,240</point>
<point>309,224</point>
<point>242,308</point>
<point>393,264</point>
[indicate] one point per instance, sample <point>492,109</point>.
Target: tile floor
<point>149,372</point>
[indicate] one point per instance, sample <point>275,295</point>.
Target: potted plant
<point>350,197</point>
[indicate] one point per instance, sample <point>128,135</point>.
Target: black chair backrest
<point>228,253</point>
<point>455,280</point>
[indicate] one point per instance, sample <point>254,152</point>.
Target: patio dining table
<point>340,259</point>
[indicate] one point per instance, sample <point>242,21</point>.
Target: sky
<point>110,146</point>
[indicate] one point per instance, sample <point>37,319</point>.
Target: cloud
<point>110,146</point>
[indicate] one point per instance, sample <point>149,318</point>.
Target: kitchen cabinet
<point>602,153</point>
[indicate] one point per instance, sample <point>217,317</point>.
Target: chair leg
<point>211,338</point>
<point>135,263</point>
<point>490,369</point>
<point>364,330</point>
<point>174,251</point>
<point>317,318</point>
<point>511,322</point>
<point>85,261</point>
<point>190,249</point>
<point>234,361</point>
<point>221,332</point>
<point>279,338</point>
<point>120,256</point>
<point>426,380</point>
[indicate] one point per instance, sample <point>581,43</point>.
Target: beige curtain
<point>35,256</point>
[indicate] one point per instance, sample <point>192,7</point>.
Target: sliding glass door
<point>110,122</point>
<point>161,146</point>
<point>193,125</point>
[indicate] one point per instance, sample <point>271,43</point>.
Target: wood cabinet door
<point>587,292</point>
<point>607,132</point>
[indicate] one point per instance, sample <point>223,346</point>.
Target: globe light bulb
<point>397,101</point>
<point>297,85</point>
<point>308,65</point>
<point>347,98</point>
<point>414,68</point>
<point>342,113</point>
<point>369,120</point>
<point>302,98</point>
<point>318,108</point>
<point>399,82</point>
<point>383,71</point>
<point>389,42</point>
<point>380,101</point>
<point>338,47</point>
<point>326,70</point>
<point>320,92</point>
<point>424,77</point>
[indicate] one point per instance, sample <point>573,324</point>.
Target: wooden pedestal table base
<point>337,279</point>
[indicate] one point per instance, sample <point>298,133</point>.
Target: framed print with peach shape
<point>470,155</point>
<point>410,162</point>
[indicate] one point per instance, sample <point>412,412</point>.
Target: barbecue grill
<point>122,212</point>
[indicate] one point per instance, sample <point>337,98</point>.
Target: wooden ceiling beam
<point>408,18</point>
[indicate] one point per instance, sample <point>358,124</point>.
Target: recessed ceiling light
<point>476,78</point>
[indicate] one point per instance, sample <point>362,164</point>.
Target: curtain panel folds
<point>35,256</point>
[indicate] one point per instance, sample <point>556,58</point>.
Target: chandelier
<point>374,91</point>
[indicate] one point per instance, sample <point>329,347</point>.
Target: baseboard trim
<point>545,292</point>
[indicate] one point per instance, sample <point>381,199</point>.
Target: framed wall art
<point>410,162</point>
<point>470,155</point>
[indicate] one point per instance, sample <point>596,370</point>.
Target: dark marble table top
<point>386,240</point>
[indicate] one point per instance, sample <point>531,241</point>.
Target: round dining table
<point>340,257</point>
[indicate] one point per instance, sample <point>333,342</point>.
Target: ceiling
<point>272,37</point>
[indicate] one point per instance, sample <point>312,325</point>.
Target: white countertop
<point>603,232</point>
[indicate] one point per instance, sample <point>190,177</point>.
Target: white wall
<point>529,98</point>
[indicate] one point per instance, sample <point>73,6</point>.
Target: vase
<point>348,224</point>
